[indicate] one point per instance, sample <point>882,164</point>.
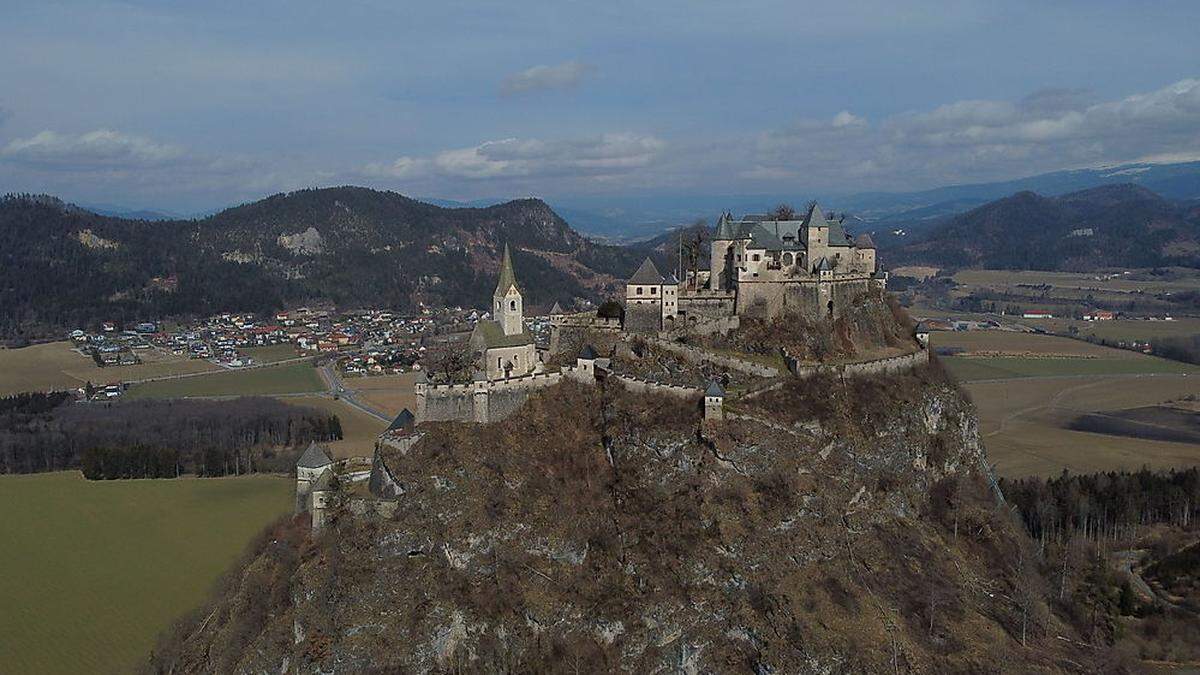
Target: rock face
<point>822,527</point>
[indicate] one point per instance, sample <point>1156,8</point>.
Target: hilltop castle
<point>762,266</point>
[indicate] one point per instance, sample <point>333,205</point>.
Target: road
<point>349,396</point>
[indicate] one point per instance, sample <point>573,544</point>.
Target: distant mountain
<point>630,217</point>
<point>63,266</point>
<point>1112,226</point>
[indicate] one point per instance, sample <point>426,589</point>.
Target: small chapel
<point>503,345</point>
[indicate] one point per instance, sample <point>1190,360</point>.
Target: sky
<point>190,106</point>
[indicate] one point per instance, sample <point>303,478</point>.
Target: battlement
<point>486,400</point>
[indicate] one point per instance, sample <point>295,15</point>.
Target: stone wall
<point>566,330</point>
<point>874,367</point>
<point>647,387</point>
<point>708,303</point>
<point>484,402</point>
<point>643,317</point>
<point>696,356</point>
<point>808,297</point>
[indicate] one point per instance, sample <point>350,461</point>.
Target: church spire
<point>507,278</point>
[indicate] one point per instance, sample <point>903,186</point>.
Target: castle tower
<point>507,305</point>
<point>714,403</point>
<point>721,242</point>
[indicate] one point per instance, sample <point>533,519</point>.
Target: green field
<point>970,369</point>
<point>93,571</point>
<point>271,353</point>
<point>292,378</point>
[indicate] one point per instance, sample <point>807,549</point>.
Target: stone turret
<point>314,463</point>
<point>714,403</point>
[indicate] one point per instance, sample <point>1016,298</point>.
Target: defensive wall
<point>891,364</point>
<point>579,323</point>
<point>695,356</point>
<point>486,401</point>
<point>813,298</point>
<point>637,384</point>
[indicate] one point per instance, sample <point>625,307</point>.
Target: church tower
<point>507,307</point>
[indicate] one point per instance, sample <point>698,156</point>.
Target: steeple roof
<point>314,457</point>
<point>507,278</point>
<point>823,264</point>
<point>403,422</point>
<point>647,274</point>
<point>556,309</point>
<point>714,390</point>
<point>724,228</point>
<point>815,217</point>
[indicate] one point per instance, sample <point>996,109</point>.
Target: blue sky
<point>189,106</point>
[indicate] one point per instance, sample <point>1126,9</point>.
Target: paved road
<point>338,390</point>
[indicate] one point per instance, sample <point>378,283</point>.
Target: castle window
<point>512,304</point>
<point>639,290</point>
<point>654,290</point>
<point>756,257</point>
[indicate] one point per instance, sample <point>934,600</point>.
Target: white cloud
<point>605,155</point>
<point>983,139</point>
<point>541,78</point>
<point>103,148</point>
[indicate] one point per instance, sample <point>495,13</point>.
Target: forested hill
<point>65,267</point>
<point>1111,226</point>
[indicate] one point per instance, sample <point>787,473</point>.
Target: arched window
<point>512,304</point>
<point>787,259</point>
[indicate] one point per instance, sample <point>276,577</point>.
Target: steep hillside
<point>832,527</point>
<point>66,267</point>
<point>1111,226</point>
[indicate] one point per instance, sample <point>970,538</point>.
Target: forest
<point>1104,505</point>
<point>155,439</point>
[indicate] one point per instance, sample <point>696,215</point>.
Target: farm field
<point>54,365</point>
<point>1013,343</point>
<point>94,570</point>
<point>1025,423</point>
<point>359,429</point>
<point>293,378</point>
<point>270,353</point>
<point>1120,329</point>
<point>1076,280</point>
<point>388,394</point>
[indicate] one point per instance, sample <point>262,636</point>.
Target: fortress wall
<point>712,304</point>
<point>808,297</point>
<point>696,356</point>
<point>647,387</point>
<point>889,365</point>
<point>702,325</point>
<point>643,317</point>
<point>566,331</point>
<point>447,403</point>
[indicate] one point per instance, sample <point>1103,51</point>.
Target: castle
<point>762,266</point>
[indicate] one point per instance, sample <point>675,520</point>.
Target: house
<point>651,300</point>
<point>313,463</point>
<point>1037,314</point>
<point>1100,315</point>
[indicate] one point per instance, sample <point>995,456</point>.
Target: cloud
<point>103,148</point>
<point>5,114</point>
<point>1048,130</point>
<point>605,155</point>
<point>543,78</point>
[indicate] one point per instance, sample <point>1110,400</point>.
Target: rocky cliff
<point>824,527</point>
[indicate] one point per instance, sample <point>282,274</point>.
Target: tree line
<point>1103,505</point>
<point>154,439</point>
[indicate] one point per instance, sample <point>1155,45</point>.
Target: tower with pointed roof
<point>507,304</point>
<point>651,300</point>
<point>502,345</point>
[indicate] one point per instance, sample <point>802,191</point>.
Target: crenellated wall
<point>487,401</point>
<point>647,387</point>
<point>891,364</point>
<point>696,356</point>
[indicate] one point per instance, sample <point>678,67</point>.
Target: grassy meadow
<point>292,378</point>
<point>55,365</point>
<point>93,571</point>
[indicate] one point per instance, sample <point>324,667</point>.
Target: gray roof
<point>647,274</point>
<point>588,353</point>
<point>507,278</point>
<point>823,264</point>
<point>864,240</point>
<point>556,309</point>
<point>714,389</point>
<point>724,228</point>
<point>761,237</point>
<point>314,457</point>
<point>403,421</point>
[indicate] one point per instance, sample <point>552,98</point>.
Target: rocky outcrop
<point>826,526</point>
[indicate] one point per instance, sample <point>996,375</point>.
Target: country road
<point>349,396</point>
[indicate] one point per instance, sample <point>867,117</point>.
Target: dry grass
<point>1023,424</point>
<point>54,365</point>
<point>386,393</point>
<point>359,429</point>
<point>1067,280</point>
<point>1011,343</point>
